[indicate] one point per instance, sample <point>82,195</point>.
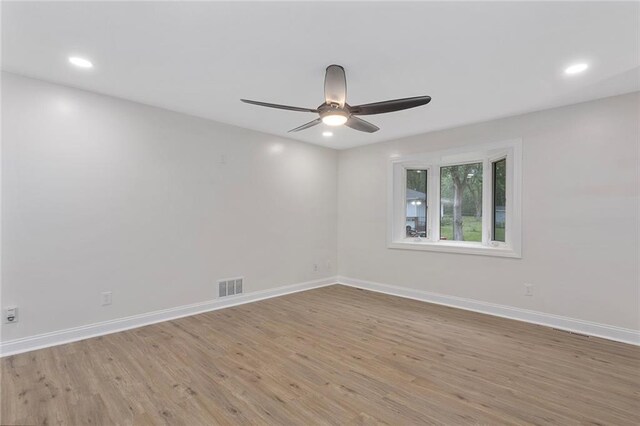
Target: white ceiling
<point>478,61</point>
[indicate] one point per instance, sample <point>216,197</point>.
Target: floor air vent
<point>230,286</point>
<point>572,332</point>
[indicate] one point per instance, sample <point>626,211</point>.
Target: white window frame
<point>432,162</point>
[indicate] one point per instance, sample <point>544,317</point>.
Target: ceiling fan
<point>335,111</point>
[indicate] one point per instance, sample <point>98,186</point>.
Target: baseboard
<point>16,346</point>
<point>12,347</point>
<point>604,331</point>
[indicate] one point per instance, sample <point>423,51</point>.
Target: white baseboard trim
<point>16,346</point>
<point>26,344</point>
<point>604,331</point>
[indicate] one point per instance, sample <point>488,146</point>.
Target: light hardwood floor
<point>334,355</point>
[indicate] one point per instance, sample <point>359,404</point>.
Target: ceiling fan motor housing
<point>333,109</point>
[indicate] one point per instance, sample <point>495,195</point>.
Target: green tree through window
<point>461,202</point>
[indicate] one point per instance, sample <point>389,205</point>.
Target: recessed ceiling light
<point>80,62</point>
<point>576,68</point>
<point>327,134</point>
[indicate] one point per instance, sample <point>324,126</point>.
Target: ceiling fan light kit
<point>336,112</point>
<point>335,118</point>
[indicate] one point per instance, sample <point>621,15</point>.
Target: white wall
<point>103,194</point>
<point>580,224</point>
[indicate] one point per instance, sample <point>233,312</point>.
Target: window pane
<point>461,202</point>
<point>499,199</point>
<point>416,216</point>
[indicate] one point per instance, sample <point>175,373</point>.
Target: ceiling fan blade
<point>361,125</point>
<point>390,106</point>
<point>306,125</point>
<point>287,107</point>
<point>335,85</point>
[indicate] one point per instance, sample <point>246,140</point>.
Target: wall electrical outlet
<point>10,315</point>
<point>528,289</point>
<point>315,267</point>
<point>106,298</point>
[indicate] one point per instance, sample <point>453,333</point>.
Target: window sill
<point>455,247</point>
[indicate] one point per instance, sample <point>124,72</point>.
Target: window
<point>499,199</point>
<point>416,201</point>
<point>463,200</point>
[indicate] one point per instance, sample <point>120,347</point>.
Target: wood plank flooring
<point>334,355</point>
